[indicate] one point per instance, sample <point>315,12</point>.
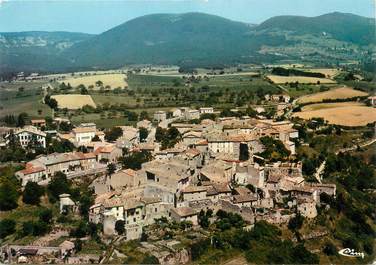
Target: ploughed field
<point>112,80</point>
<point>73,101</point>
<point>337,93</point>
<point>344,113</point>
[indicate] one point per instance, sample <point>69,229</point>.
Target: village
<point>240,165</point>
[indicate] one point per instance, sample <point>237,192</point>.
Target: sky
<point>96,16</point>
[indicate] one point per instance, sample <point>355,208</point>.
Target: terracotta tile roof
<point>184,211</point>
<point>194,189</point>
<point>38,120</point>
<point>31,169</point>
<point>202,142</point>
<point>244,198</point>
<point>192,152</point>
<point>105,149</point>
<point>222,188</point>
<point>83,130</point>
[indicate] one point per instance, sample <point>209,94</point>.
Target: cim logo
<point>348,252</point>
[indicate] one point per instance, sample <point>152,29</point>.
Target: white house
<point>28,134</point>
<point>192,114</point>
<point>160,116</point>
<point>206,110</point>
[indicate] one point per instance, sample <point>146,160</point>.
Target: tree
<point>244,152</point>
<point>27,228</point>
<point>21,120</point>
<point>86,200</point>
<point>135,160</point>
<point>32,193</point>
<point>111,169</point>
<point>159,134</point>
<point>45,215</point>
<point>144,115</point>
<point>120,227</point>
<point>83,90</point>
<point>78,245</point>
<point>81,231</point>
<point>96,139</point>
<point>7,227</point>
<point>51,102</point>
<point>143,134</point>
<point>65,126</point>
<point>132,116</point>
<point>40,228</point>
<point>296,222</point>
<point>99,83</point>
<point>330,249</point>
<point>150,259</point>
<point>8,196</point>
<point>203,219</point>
<point>59,184</point>
<point>113,134</point>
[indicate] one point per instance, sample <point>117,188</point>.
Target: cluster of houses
<point>183,113</point>
<point>206,169</point>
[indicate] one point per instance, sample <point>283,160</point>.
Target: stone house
<point>108,154</point>
<point>307,208</point>
<point>217,171</point>
<point>170,173</point>
<point>192,137</point>
<point>68,163</point>
<point>216,192</point>
<point>129,139</point>
<point>38,122</point>
<point>192,114</point>
<point>245,200</point>
<point>194,193</point>
<point>184,214</point>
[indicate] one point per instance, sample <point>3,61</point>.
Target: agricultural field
<point>73,101</point>
<point>17,97</point>
<point>328,72</point>
<point>277,79</point>
<point>346,114</point>
<point>338,93</point>
<point>32,105</point>
<point>111,80</point>
<point>318,106</point>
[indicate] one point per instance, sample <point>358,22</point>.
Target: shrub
<point>32,193</point>
<point>7,227</point>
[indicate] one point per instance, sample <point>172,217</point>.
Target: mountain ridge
<point>187,38</point>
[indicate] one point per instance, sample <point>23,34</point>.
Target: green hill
<point>35,50</point>
<point>340,26</point>
<point>167,39</point>
<point>191,39</point>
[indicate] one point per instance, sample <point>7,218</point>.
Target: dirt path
<point>45,240</point>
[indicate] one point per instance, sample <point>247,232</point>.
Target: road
<point>321,168</point>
